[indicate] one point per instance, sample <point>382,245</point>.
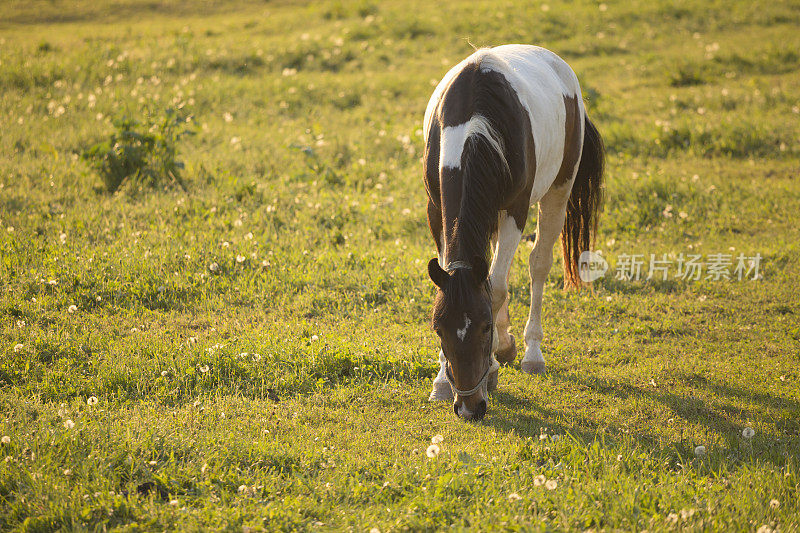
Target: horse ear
<point>438,276</point>
<point>480,269</point>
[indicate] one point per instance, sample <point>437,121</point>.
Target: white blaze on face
<point>462,333</point>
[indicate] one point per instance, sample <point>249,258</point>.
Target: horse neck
<point>466,232</point>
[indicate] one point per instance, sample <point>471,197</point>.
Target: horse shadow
<point>526,418</point>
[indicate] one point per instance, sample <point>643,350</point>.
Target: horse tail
<point>583,206</point>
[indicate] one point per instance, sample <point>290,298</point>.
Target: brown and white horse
<point>505,128</point>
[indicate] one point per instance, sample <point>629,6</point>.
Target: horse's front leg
<point>508,236</point>
<point>552,213</point>
<point>441,390</point>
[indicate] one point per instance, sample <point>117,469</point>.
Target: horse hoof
<point>533,367</point>
<point>491,384</point>
<point>508,355</point>
<point>441,393</point>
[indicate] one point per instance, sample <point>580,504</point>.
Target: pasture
<point>252,350</point>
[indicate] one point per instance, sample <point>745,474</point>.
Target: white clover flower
<point>748,432</point>
<point>203,369</point>
<point>432,451</point>
<point>240,258</point>
<point>18,348</point>
<point>213,267</point>
<point>68,472</point>
<point>551,484</point>
<point>191,340</point>
<point>436,439</point>
<point>514,497</point>
<point>256,357</point>
<point>774,504</point>
<point>539,480</point>
<point>228,117</point>
<point>69,424</point>
<point>700,451</point>
<point>72,308</point>
<point>91,400</point>
<point>6,439</point>
<point>164,373</point>
<point>314,338</point>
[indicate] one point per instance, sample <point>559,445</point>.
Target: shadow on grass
<point>526,418</point>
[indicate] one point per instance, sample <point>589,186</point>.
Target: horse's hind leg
<point>508,236</point>
<point>552,213</point>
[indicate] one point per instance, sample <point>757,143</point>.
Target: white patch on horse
<point>462,333</point>
<point>540,79</point>
<point>454,138</point>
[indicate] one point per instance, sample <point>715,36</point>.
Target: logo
<point>591,266</point>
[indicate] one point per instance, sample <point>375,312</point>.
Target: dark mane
<point>489,179</point>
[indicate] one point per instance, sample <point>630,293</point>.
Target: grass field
<point>258,344</point>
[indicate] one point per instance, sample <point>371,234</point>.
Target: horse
<point>505,129</point>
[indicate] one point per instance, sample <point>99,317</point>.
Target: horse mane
<point>487,180</point>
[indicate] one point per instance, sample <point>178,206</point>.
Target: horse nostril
<point>481,411</point>
<point>456,409</point>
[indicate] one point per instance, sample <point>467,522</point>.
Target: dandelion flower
<point>700,451</point>
<point>18,348</point>
<point>6,439</point>
<point>436,439</point>
<point>774,504</point>
<point>551,484</point>
<point>539,480</point>
<point>514,497</point>
<point>91,400</point>
<point>213,267</point>
<point>432,451</point>
<point>69,424</point>
<point>72,308</point>
<point>204,369</point>
<point>748,432</point>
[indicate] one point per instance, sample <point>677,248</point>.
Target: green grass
<point>285,388</point>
